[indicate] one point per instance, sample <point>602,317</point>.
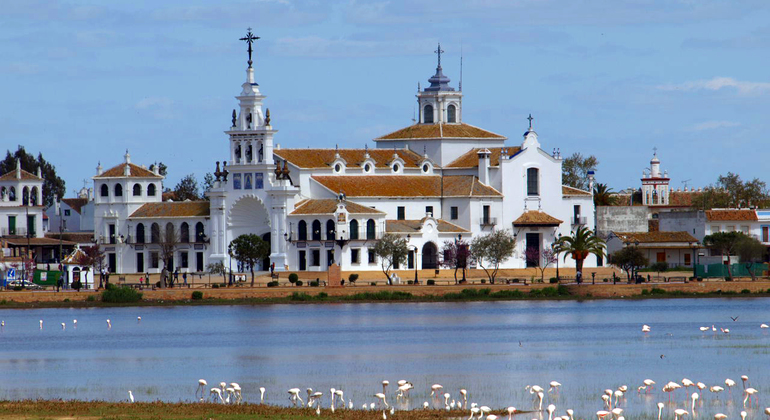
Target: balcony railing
<point>19,231</point>
<point>488,221</point>
<point>578,220</point>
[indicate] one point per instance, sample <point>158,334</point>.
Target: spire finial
<point>250,38</point>
<point>438,52</point>
<point>655,151</point>
<point>530,121</point>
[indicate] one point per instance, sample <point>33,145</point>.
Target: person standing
<point>184,277</point>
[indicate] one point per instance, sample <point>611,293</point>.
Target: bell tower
<point>439,103</point>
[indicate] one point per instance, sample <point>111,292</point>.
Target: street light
<point>554,248</point>
<point>694,247</point>
<point>230,260</point>
<point>457,254</point>
<point>414,258</point>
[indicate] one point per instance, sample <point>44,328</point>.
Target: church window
<point>428,114</point>
<point>258,182</point>
<point>338,168</point>
<point>154,233</point>
<point>302,231</point>
<point>425,168</point>
<point>137,190</point>
<point>33,196</point>
<point>370,229</point>
<point>451,114</point>
<point>151,190</point>
<point>118,190</point>
<point>140,233</point>
<point>184,233</point>
<point>429,210</point>
<point>330,230</point>
<point>237,181</point>
<point>354,229</point>
<point>396,167</point>
<point>316,230</point>
<point>3,193</point>
<point>200,235</point>
<point>533,181</point>
<point>170,233</point>
<point>25,196</point>
<point>12,194</point>
<point>246,181</point>
<point>367,168</point>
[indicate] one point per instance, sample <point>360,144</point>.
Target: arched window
<point>451,114</point>
<point>200,235</point>
<point>104,190</point>
<point>533,181</point>
<point>137,190</point>
<point>118,190</point>
<point>151,190</point>
<point>25,196</point>
<point>427,114</point>
<point>316,233</point>
<point>184,233</point>
<point>3,193</point>
<point>330,230</point>
<point>370,231</point>
<point>33,196</point>
<point>155,233</point>
<point>170,234</point>
<point>12,194</point>
<point>354,229</point>
<point>140,233</point>
<point>302,231</point>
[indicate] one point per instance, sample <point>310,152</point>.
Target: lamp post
<point>694,247</point>
<point>458,243</point>
<point>230,261</point>
<point>555,249</point>
<point>414,258</point>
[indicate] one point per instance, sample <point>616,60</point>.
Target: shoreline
<point>403,293</point>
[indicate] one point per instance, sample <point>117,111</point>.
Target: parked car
<point>23,283</point>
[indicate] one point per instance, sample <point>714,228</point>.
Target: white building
<point>435,181</point>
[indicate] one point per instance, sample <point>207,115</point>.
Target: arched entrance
<point>266,261</point>
<point>249,216</point>
<point>429,256</point>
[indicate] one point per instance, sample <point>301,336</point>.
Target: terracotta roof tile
<point>79,237</point>
<point>470,159</point>
<point>406,186</point>
<point>323,158</point>
<point>567,190</point>
<point>655,237</point>
<point>329,206</point>
<point>536,218</point>
<point>26,176</point>
<point>36,241</point>
<point>77,257</point>
<point>173,209</point>
<point>136,172</point>
<point>728,215</point>
<point>437,131</point>
<point>75,203</point>
<point>411,226</point>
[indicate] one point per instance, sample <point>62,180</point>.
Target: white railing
<point>578,220</point>
<point>488,221</point>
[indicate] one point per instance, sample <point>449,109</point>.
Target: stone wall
<point>621,219</point>
<point>692,222</point>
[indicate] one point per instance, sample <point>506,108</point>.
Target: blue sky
<point>81,81</point>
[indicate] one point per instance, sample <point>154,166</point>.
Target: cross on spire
<point>250,38</point>
<point>530,121</point>
<point>655,151</point>
<point>439,51</point>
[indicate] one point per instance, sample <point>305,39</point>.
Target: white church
<point>435,181</point>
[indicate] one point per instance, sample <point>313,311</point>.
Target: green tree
<point>208,183</point>
<point>603,195</point>
<point>574,170</point>
<point>217,268</point>
<point>751,252</point>
<point>726,243</point>
<point>493,249</point>
<point>732,192</point>
<point>52,184</point>
<point>629,259</point>
<point>455,254</point>
<point>659,266</point>
<point>579,245</point>
<point>249,249</point>
<point>391,250</point>
<point>187,189</point>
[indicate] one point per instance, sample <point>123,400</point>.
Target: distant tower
<point>439,102</point>
<point>655,189</point>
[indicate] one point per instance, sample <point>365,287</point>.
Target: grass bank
<point>92,410</point>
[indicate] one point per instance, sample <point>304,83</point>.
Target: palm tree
<point>578,245</point>
<point>603,195</point>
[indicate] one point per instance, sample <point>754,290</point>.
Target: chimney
<point>39,172</point>
<point>484,166</point>
<point>99,169</point>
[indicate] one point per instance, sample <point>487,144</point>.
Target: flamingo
<point>333,395</point>
<point>764,326</point>
<point>474,411</point>
<point>41,324</point>
<point>434,390</point>
<point>607,401</point>
<point>687,383</point>
<point>341,397</point>
<point>645,328</point>
<point>446,400</point>
<point>749,392</point>
<point>601,414</point>
<point>716,389</point>
<point>617,412</point>
<point>201,387</point>
<point>725,330</point>
<point>679,413</point>
<point>109,325</point>
<point>554,386</point>
<point>216,392</point>
<point>745,380</point>
<point>294,396</point>
<point>533,389</point>
<point>491,417</point>
<point>385,387</point>
<point>730,384</point>
<point>464,393</point>
<point>63,326</point>
<point>138,319</point>
<point>425,405</point>
<point>540,399</point>
<point>648,382</point>
<point>261,395</point>
<point>767,411</point>
<point>701,386</point>
<point>130,396</point>
<point>694,398</point>
<point>381,398</point>
<point>618,394</point>
<point>74,323</point>
<point>669,388</point>
<point>551,408</point>
<point>229,391</point>
<point>511,410</point>
<point>704,329</point>
<point>318,410</point>
<point>570,412</point>
<point>713,328</point>
<point>743,415</point>
<point>660,409</point>
<point>720,416</point>
<point>485,410</point>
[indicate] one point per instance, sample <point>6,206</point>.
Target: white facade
<point>21,204</point>
<point>655,186</point>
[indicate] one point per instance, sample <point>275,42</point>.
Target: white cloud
<point>158,107</point>
<point>718,83</point>
<point>711,125</point>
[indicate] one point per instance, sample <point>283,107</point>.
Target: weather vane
<point>250,38</point>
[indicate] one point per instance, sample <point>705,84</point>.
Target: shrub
<point>745,291</point>
<point>374,283</point>
<point>66,300</point>
<point>645,292</point>
<point>553,280</point>
<point>215,286</point>
<point>430,282</point>
<point>322,295</point>
<point>562,290</point>
<point>353,277</point>
<point>273,283</point>
<point>91,298</point>
<point>300,297</point>
<point>120,295</point>
<point>314,283</point>
<point>197,295</point>
<point>483,281</point>
<point>77,285</point>
<point>299,283</point>
<point>410,282</point>
<point>507,294</point>
<point>293,277</point>
<point>110,286</point>
<point>657,291</point>
<point>381,295</point>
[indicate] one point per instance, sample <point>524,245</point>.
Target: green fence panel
<point>720,270</point>
<point>46,278</point>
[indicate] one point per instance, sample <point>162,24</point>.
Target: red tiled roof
<point>173,209</point>
<point>75,203</point>
<point>26,176</point>
<point>35,241</point>
<point>567,190</point>
<point>536,218</point>
<point>411,226</point>
<point>655,237</point>
<point>136,172</point>
<point>470,159</point>
<point>329,206</point>
<point>323,158</point>
<point>437,131</point>
<point>79,237</point>
<point>406,186</point>
<point>729,215</point>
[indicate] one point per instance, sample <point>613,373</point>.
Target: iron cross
<point>250,38</point>
<point>530,120</point>
<point>439,51</point>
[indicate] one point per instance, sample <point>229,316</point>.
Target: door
<point>266,261</point>
<point>11,225</point>
<point>112,262</point>
<point>140,262</point>
<point>532,246</point>
<point>329,257</point>
<point>199,262</point>
<point>170,267</point>
<point>429,256</point>
<point>302,261</point>
<point>660,257</point>
<point>31,230</point>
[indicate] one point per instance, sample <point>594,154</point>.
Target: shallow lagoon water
<point>493,349</point>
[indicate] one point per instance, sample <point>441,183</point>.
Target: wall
<point>620,219</point>
<point>692,222</point>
